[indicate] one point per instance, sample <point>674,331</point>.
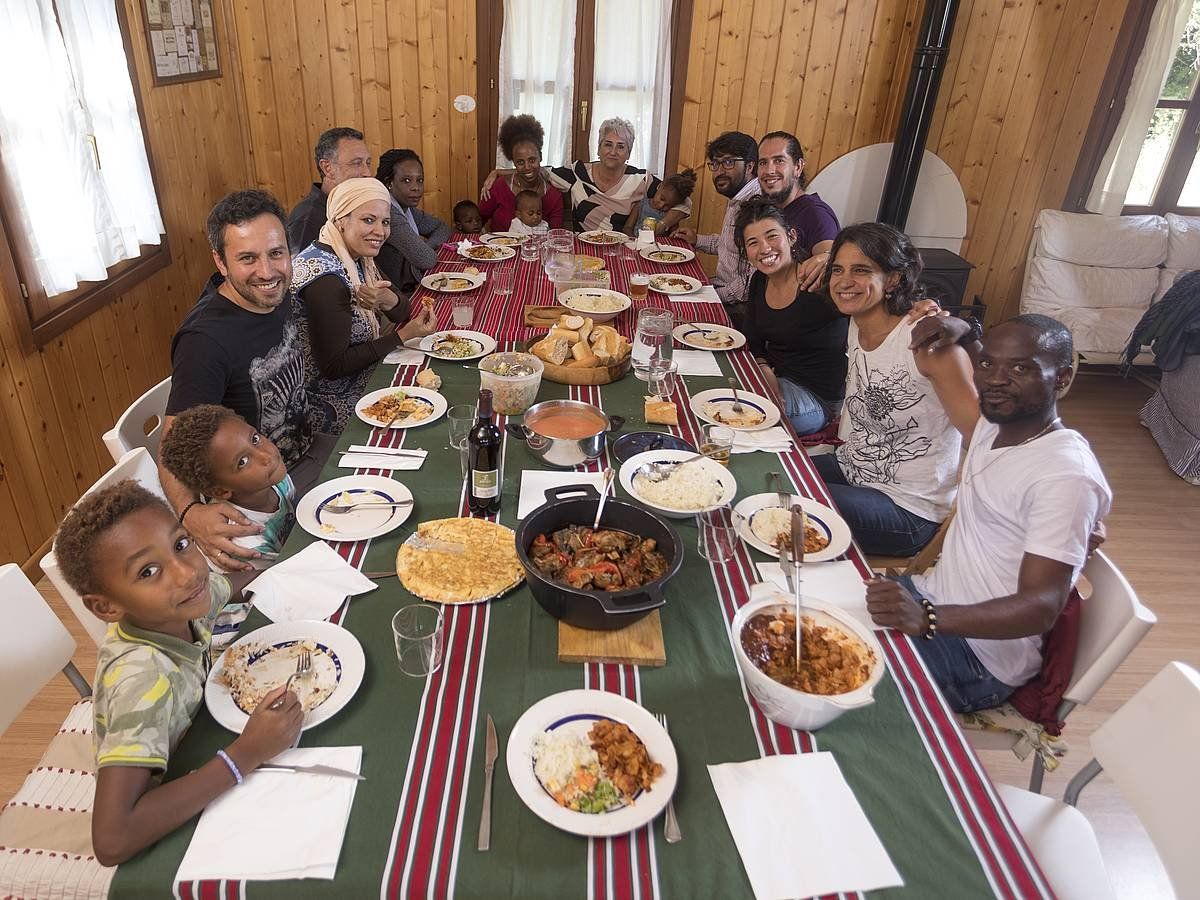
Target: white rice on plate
<point>688,487</point>
<point>557,755</point>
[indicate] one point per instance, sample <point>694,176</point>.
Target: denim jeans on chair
<point>805,410</point>
<point>963,680</point>
<point>880,526</point>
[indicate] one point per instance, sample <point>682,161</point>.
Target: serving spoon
<point>661,471</point>
<point>604,489</point>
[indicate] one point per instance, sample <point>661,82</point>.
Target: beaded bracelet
<point>233,769</point>
<point>930,619</point>
<point>188,507</point>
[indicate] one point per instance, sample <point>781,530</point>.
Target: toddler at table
<point>467,217</point>
<point>528,218</point>
<point>136,568</point>
<point>674,191</point>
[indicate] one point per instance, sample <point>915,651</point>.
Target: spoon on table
<point>604,489</point>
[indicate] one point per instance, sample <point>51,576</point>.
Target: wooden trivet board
<point>640,644</point>
<point>543,316</point>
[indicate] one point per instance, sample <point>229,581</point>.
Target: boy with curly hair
<point>212,451</point>
<point>136,568</point>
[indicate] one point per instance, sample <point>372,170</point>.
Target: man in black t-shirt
<point>239,347</point>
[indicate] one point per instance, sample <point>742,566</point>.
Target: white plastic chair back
<point>130,430</point>
<point>1148,747</point>
<point>137,464</point>
<point>1113,622</point>
<point>34,645</point>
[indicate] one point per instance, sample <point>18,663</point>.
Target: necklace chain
<point>969,476</point>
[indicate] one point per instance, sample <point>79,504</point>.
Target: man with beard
<point>781,175</point>
<point>239,347</point>
<point>732,157</point>
<point>340,153</point>
<point>1030,497</point>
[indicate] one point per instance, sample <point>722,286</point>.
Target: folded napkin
<point>393,462</point>
<point>706,294</point>
<point>535,483</point>
<point>769,440</point>
<point>696,362</point>
<point>310,585</point>
<point>277,825</point>
<point>817,842</point>
<point>404,356</point>
<point>836,582</point>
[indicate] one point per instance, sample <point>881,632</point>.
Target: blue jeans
<point>807,412</point>
<point>963,680</point>
<point>880,526</point>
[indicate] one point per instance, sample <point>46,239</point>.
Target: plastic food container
<point>511,394</point>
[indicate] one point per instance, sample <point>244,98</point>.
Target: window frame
<point>39,318</point>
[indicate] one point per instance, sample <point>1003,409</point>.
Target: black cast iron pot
<point>596,610</point>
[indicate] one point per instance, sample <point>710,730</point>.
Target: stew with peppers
<point>602,560</point>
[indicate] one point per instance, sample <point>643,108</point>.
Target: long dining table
<point>413,825</point>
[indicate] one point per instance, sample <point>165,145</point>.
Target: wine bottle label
<point>485,483</point>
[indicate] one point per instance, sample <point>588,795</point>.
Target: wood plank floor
<point>1153,536</point>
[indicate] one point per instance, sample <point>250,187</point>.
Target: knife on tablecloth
<point>489,767</point>
<point>312,770</point>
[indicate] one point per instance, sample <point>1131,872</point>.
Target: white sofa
<point>1098,274</point>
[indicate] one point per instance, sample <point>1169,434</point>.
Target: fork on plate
<point>340,508</point>
<point>671,827</point>
<point>303,667</point>
<point>737,404</point>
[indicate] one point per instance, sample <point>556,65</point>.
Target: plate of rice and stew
<point>764,523</point>
<point>592,763</point>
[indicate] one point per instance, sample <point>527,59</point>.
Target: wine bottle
<point>483,456</point>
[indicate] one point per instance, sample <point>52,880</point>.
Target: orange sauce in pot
<point>566,423</point>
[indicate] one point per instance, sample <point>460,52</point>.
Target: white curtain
<point>633,75</point>
<point>1108,191</point>
<point>75,224</point>
<point>537,71</point>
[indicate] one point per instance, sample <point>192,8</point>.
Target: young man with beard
<point>1030,497</point>
<point>340,153</point>
<point>732,157</point>
<point>239,347</point>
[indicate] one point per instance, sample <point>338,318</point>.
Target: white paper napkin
<point>696,362</point>
<point>706,294</point>
<point>836,582</point>
<point>386,461</point>
<point>817,842</point>
<point>770,440</point>
<point>310,585</point>
<point>404,356</point>
<point>535,483</point>
<point>276,825</point>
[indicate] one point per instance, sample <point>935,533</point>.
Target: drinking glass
<point>718,443</point>
<point>652,340</point>
<point>460,419</point>
<point>639,285</point>
<point>502,282</point>
<point>660,377</point>
<point>464,311</point>
<point>530,249</point>
<point>417,631</point>
<point>718,536</point>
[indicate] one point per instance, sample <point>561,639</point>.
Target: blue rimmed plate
<point>703,336</point>
<point>824,519</point>
<point>434,402</point>
<point>635,442</point>
<point>716,408</point>
<point>358,524</point>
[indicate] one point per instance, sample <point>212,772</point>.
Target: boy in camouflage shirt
<point>137,569</point>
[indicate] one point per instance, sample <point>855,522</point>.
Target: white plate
<point>819,514</point>
<point>505,253</point>
<point>718,471</point>
<point>430,282</point>
<point>651,254</point>
<point>433,399</point>
<point>690,333</point>
<point>578,709</point>
<point>339,654</point>
<point>358,524</point>
<point>504,239</point>
<point>724,397</point>
<point>595,238</point>
<point>571,300</point>
<point>487,344</point>
<point>663,288</point>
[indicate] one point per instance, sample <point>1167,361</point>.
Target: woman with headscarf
<point>520,140</point>
<point>349,316</point>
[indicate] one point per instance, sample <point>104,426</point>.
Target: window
<point>80,213</point>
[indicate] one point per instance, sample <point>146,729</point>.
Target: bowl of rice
<point>697,487</point>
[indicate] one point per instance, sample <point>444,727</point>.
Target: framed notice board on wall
<point>182,35</point>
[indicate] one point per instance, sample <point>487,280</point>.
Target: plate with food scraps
<point>602,237</point>
<point>700,486</point>
<point>314,516</point>
<point>452,282</point>
<point>564,765</point>
<point>257,663</point>
<point>400,407</point>
<point>716,408</point>
<point>762,521</point>
<point>674,284</point>
<point>504,239</point>
<point>487,252</point>
<point>703,336</point>
<point>670,256</point>
<point>457,344</point>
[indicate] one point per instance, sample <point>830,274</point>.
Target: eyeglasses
<point>727,164</point>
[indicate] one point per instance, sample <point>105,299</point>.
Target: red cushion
<point>1039,699</point>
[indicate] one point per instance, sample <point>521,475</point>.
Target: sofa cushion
<point>1117,242</point>
<point>1065,284</point>
<point>1092,330</point>
<point>1183,242</point>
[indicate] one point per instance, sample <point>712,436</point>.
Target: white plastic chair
<point>131,430</point>
<point>137,464</point>
<point>1112,623</point>
<point>1148,748</point>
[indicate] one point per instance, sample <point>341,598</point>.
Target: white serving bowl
<point>718,472</point>
<point>791,707</point>
<point>576,300</point>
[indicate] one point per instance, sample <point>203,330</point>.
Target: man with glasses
<point>732,158</point>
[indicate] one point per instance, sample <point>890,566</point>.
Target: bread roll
<point>571,323</point>
<point>585,330</point>
<point>569,335</point>
<point>427,378</point>
<point>661,412</point>
<point>583,354</point>
<point>552,350</point>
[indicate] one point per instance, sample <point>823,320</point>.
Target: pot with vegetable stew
<point>565,433</point>
<point>601,580</point>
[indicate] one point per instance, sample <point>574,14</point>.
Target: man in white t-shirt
<point>1030,496</point>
